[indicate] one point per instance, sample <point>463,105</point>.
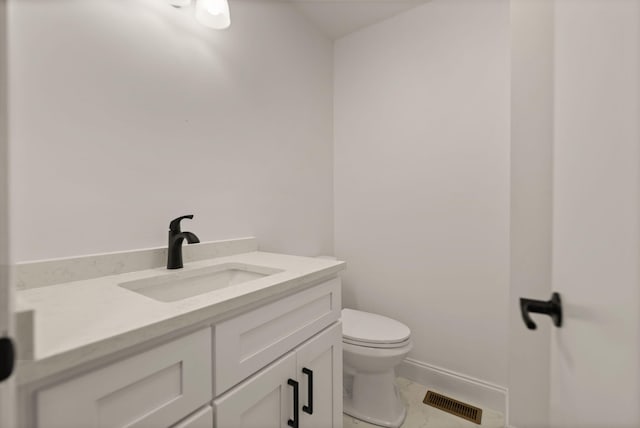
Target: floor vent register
<point>454,407</point>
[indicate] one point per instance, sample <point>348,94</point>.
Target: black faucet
<point>176,236</point>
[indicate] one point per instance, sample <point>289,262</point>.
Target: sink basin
<point>188,283</point>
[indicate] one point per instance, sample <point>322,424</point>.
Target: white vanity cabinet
<point>235,371</point>
<point>309,376</point>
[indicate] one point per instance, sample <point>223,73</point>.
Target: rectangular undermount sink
<point>188,283</point>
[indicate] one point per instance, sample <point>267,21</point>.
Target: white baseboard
<point>462,387</point>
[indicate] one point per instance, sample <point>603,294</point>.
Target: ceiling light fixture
<point>210,13</point>
<point>179,3</point>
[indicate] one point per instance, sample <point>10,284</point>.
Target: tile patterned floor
<point>420,415</point>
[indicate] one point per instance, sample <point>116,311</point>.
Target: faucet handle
<point>174,226</point>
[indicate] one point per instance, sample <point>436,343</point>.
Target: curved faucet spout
<point>190,237</point>
<point>176,238</point>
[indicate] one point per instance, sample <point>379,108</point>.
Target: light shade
<point>179,3</point>
<point>213,13</point>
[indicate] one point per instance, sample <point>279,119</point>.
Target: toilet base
<point>373,421</point>
<point>374,398</point>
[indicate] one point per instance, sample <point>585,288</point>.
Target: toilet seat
<point>377,345</point>
<point>373,330</point>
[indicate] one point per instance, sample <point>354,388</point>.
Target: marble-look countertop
<point>81,321</point>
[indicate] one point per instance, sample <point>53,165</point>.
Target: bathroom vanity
<point>248,339</point>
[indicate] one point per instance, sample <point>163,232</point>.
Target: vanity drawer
<point>247,343</point>
<point>153,389</point>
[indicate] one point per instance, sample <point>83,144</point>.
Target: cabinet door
<point>153,389</point>
<point>319,365</point>
<point>263,401</point>
<point>203,418</point>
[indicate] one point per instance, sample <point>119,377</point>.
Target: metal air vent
<point>454,407</point>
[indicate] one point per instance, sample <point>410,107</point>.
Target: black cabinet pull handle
<point>309,409</point>
<point>296,419</point>
<point>7,358</point>
<point>553,308</point>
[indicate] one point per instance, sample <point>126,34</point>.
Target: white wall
<point>127,113</point>
<point>421,129</point>
<point>532,34</point>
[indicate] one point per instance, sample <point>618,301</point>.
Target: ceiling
<point>337,18</point>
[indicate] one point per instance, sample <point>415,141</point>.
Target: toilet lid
<point>365,327</point>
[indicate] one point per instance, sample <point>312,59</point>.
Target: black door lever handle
<point>7,358</point>
<point>553,308</point>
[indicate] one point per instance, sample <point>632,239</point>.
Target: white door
<point>319,371</point>
<point>265,400</point>
<point>576,90</point>
<point>595,358</point>
<point>531,207</point>
<point>6,386</point>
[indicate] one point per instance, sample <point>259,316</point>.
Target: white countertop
<point>78,322</point>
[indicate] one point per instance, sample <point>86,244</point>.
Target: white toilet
<point>373,346</point>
